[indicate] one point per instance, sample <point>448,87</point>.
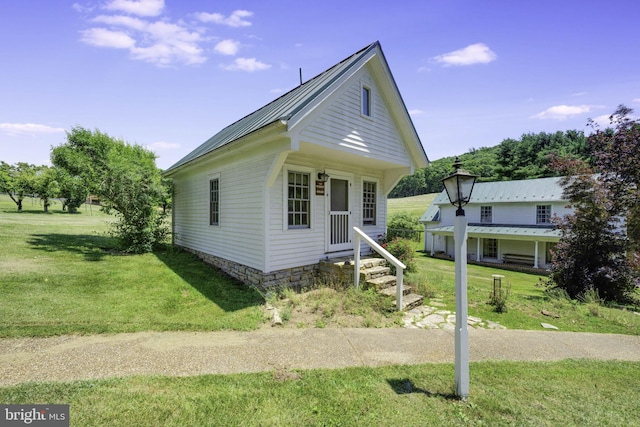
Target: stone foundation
<point>296,277</point>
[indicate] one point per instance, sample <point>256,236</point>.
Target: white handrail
<point>360,235</point>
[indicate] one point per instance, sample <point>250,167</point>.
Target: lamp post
<point>459,186</point>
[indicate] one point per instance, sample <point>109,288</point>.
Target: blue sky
<point>168,74</point>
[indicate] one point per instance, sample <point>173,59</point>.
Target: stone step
<point>381,282</point>
<point>372,262</point>
<point>410,301</point>
<point>391,290</point>
<point>373,273</point>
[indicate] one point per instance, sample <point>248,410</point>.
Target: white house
<point>272,194</point>
<point>509,221</point>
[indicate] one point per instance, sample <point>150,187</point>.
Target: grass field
<point>414,205</point>
<point>59,273</point>
<point>569,393</point>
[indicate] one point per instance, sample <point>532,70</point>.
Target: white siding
<point>504,213</point>
<point>295,247</point>
<point>341,125</point>
<point>240,235</point>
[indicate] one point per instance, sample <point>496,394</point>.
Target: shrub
<point>402,250</point>
<point>403,225</point>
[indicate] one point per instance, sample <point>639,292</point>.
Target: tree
<point>45,185</point>
<point>125,178</point>
<point>72,190</point>
<point>17,181</point>
<point>598,249</point>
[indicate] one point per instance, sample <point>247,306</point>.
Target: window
<point>214,201</point>
<point>366,101</point>
<point>368,203</point>
<point>490,248</point>
<point>298,200</point>
<point>543,214</point>
<point>486,214</point>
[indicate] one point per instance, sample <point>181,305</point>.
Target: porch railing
<point>361,236</point>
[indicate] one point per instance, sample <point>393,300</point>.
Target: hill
<point>526,158</point>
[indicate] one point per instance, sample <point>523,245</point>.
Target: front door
<point>339,235</point>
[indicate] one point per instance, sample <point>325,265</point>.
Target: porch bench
<point>518,259</point>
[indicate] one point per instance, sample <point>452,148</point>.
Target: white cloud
<point>14,129</point>
<point>137,7</point>
<point>415,112</point>
<point>636,100</point>
<point>227,47</point>
<point>236,19</point>
<point>478,53</point>
<point>103,37</point>
<point>562,112</point>
<point>603,121</point>
<point>122,21</point>
<point>132,25</point>
<point>247,64</point>
<point>161,43</point>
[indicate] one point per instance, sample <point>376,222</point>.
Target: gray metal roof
<point>283,108</point>
<point>526,190</point>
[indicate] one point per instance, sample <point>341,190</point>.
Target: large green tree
<point>125,178</point>
<point>598,250</point>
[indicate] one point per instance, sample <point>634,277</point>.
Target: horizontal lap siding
<point>342,123</point>
<point>293,248</point>
<point>240,235</point>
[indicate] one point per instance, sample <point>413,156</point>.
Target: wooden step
<point>412,300</point>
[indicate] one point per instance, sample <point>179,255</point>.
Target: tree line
<point>525,158</point>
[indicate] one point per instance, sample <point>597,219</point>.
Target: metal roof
<point>283,108</point>
<point>526,190</point>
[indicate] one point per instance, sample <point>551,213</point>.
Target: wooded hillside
<point>524,158</point>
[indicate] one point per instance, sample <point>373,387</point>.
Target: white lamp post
<point>459,186</point>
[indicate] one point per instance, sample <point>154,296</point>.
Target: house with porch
<point>269,196</point>
<point>508,222</point>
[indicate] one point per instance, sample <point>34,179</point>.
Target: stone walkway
<point>433,316</point>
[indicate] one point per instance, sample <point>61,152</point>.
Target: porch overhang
<point>503,232</point>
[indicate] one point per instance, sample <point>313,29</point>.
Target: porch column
<point>478,250</point>
<point>433,242</point>
<point>535,256</point>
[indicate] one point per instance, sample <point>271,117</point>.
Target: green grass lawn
<point>414,205</point>
<point>526,301</point>
<point>60,273</point>
<point>568,393</point>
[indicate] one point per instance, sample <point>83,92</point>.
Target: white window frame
<point>377,201</point>
<point>483,217</point>
<point>369,104</point>
<point>213,178</point>
<point>547,214</point>
<point>285,197</point>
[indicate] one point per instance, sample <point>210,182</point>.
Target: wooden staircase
<point>374,273</point>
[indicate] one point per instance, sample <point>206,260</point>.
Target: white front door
<point>339,227</point>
